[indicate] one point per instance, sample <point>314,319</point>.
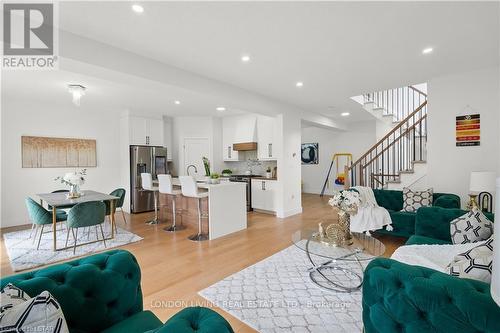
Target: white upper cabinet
<point>168,132</point>
<point>146,131</point>
<point>266,143</point>
<point>228,134</point>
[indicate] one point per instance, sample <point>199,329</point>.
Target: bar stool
<point>189,189</point>
<point>147,185</point>
<point>165,187</point>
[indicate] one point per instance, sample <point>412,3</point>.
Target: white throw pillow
<point>471,227</point>
<point>11,296</point>
<point>38,314</point>
<point>474,264</point>
<point>413,200</point>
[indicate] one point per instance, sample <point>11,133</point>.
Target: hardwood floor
<point>174,269</point>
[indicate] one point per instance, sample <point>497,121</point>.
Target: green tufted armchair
<point>403,298</point>
<point>102,293</point>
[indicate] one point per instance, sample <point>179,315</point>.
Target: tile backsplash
<point>249,162</point>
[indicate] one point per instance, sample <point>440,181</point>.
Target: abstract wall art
<point>43,152</point>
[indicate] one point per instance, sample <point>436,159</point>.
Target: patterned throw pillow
<point>11,296</point>
<point>413,200</point>
<point>23,314</point>
<point>470,228</point>
<point>474,264</point>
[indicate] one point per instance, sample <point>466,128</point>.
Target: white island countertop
<point>227,207</point>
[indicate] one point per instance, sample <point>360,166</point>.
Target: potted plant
<point>214,178</point>
<point>268,172</point>
<point>227,173</point>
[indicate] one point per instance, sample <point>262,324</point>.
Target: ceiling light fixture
<point>245,58</point>
<point>345,114</point>
<point>220,108</point>
<point>77,91</point>
<point>299,84</point>
<point>427,50</point>
<point>138,8</point>
<point>177,102</point>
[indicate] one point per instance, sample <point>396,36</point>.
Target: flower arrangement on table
<point>74,180</point>
<point>339,232</point>
<point>347,201</point>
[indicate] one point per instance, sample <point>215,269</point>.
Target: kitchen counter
<point>265,178</point>
<point>226,207</point>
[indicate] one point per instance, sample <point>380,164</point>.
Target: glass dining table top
<point>364,247</point>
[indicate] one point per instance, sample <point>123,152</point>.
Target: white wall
<point>357,140</point>
<point>449,166</point>
<point>289,174</point>
<point>196,127</point>
<point>34,118</point>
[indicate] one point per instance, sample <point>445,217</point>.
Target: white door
<point>194,151</point>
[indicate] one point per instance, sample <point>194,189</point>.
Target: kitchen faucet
<point>189,166</point>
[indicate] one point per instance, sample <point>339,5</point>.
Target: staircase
<point>399,158</point>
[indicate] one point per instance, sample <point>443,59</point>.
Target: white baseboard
<point>284,214</point>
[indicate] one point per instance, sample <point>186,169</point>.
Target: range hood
<point>245,146</point>
<point>245,138</point>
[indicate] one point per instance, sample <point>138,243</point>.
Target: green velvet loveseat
<point>102,293</point>
<point>403,223</point>
<point>403,298</point>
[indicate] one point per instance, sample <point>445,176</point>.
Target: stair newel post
<point>347,180</point>
<point>361,180</point>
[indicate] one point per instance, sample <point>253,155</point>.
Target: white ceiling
<point>338,49</point>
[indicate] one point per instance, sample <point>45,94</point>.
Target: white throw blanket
<point>370,215</point>
<point>431,256</point>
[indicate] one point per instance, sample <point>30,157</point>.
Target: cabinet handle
<point>270,150</point>
<point>263,186</point>
<point>229,151</point>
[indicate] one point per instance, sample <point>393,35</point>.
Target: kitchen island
<point>226,207</point>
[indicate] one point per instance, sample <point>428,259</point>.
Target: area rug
<point>24,255</point>
<point>277,295</point>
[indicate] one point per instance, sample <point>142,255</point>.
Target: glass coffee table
<point>338,268</point>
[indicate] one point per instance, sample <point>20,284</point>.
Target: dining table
<point>61,200</point>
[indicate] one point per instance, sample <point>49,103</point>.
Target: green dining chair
<point>40,217</point>
<point>120,193</point>
<point>83,215</point>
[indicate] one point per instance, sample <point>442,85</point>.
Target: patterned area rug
<point>277,295</point>
<point>24,255</point>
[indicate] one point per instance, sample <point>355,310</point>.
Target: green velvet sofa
<point>102,293</point>
<point>403,223</point>
<point>403,298</point>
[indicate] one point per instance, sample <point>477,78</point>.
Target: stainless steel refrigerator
<point>147,159</point>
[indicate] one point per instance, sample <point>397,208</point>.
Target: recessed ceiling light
<point>220,108</point>
<point>138,8</point>
<point>345,114</point>
<point>299,84</point>
<point>177,102</point>
<point>427,50</point>
<point>245,58</point>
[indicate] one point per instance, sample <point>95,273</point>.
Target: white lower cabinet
<point>264,194</point>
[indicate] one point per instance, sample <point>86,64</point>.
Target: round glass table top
<point>364,247</point>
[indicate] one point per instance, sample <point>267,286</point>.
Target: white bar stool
<point>165,187</point>
<point>147,185</point>
<point>189,189</point>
